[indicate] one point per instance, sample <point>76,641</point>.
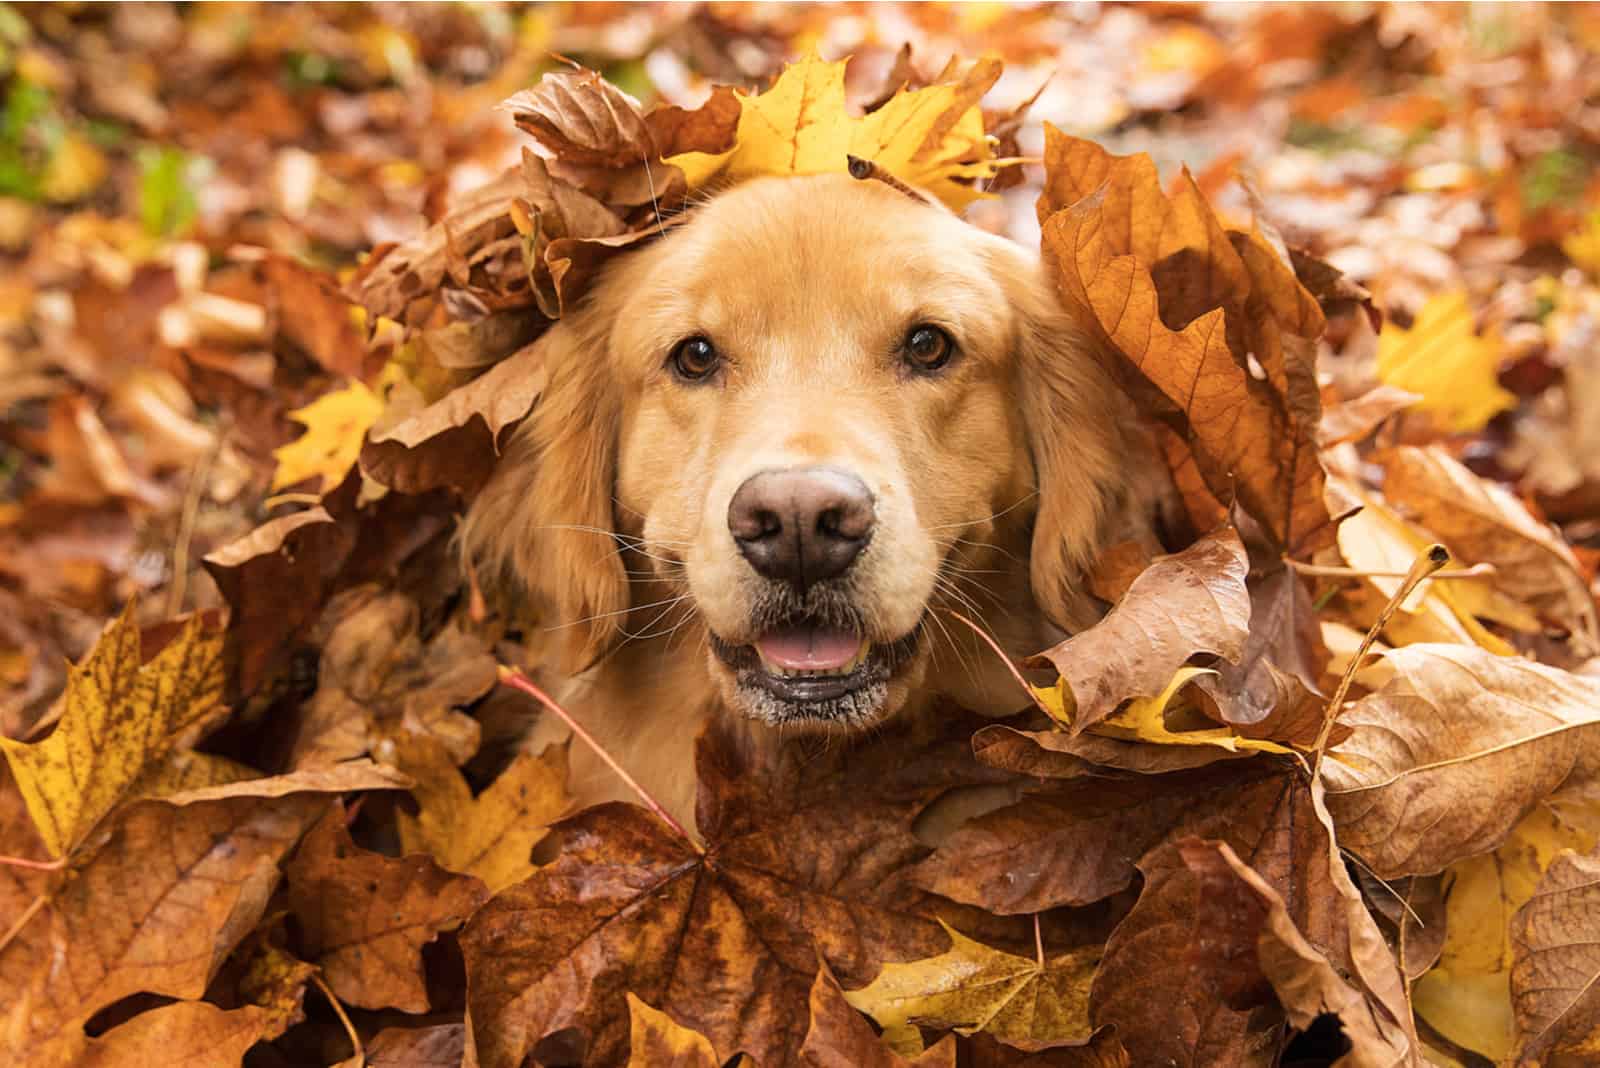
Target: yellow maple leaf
<point>1583,247</point>
<point>931,138</point>
<point>491,835</point>
<point>120,720</point>
<point>336,424</point>
<point>1467,995</point>
<point>972,987</point>
<point>1443,359</point>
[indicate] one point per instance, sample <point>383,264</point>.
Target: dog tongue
<point>809,648</point>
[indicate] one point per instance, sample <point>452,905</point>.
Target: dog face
<point>809,421</point>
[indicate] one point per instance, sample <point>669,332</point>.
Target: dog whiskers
<point>984,519</point>
<point>618,612</point>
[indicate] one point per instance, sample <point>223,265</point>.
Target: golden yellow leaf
<point>120,719</point>
<point>1443,359</point>
<point>491,835</point>
<point>1467,996</point>
<point>973,987</point>
<point>656,1040</point>
<point>1583,247</point>
<point>336,424</point>
<point>932,138</point>
<point>1144,719</point>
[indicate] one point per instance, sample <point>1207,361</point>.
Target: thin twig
<point>22,921</point>
<point>1330,571</point>
<point>867,170</point>
<point>34,865</point>
<point>191,511</point>
<point>1004,659</point>
<point>1038,942</point>
<point>360,1055</point>
<point>1427,563</point>
<point>518,681</point>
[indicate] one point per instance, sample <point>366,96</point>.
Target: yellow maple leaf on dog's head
<point>932,138</point>
<point>121,719</point>
<point>1443,359</point>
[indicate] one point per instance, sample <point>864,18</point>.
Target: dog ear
<point>1085,439</point>
<point>539,528</point>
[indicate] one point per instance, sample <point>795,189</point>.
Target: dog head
<point>805,423</point>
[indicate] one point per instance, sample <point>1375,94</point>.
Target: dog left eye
<point>927,348</point>
<point>695,359</point>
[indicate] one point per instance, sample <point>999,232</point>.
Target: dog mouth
<point>805,669</point>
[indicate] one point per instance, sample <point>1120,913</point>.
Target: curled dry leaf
<point>1454,751</point>
<point>726,942</point>
<point>583,119</point>
<point>120,718</point>
<point>1482,522</point>
<point>453,442</point>
<point>333,779</point>
<point>365,917</point>
<point>1555,974</point>
<point>840,1035</point>
<point>1023,1002</point>
<point>1189,945</point>
<point>1187,305</point>
<point>655,1039</point>
<point>164,900</point>
<point>1356,418</point>
<point>1308,984</point>
<point>490,836</point>
<point>1183,605</point>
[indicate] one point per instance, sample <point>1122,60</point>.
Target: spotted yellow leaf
<point>336,424</point>
<point>973,987</point>
<point>931,138</point>
<point>121,719</point>
<point>1443,359</point>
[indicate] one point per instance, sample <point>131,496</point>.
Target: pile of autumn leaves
<point>1201,862</point>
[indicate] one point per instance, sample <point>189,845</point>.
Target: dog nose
<point>801,524</point>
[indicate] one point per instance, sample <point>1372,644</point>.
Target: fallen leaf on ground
<point>336,424</point>
<point>1444,761</point>
<point>366,917</point>
<point>840,1035</point>
<point>1555,972</point>
<point>972,987</point>
<point>1442,359</point>
<point>1187,604</point>
<point>120,718</point>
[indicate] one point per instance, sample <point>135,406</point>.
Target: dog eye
<point>695,359</point>
<point>927,348</point>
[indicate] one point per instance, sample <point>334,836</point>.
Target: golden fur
<point>995,480</point>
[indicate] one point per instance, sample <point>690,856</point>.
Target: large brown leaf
<point>162,902</point>
<point>365,917</point>
<point>1184,605</point>
<point>1189,946</point>
<point>1187,305</point>
<point>726,942</point>
<point>583,119</point>
<point>1457,748</point>
<point>1555,973</point>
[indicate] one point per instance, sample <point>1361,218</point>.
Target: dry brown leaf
<point>1555,975</point>
<point>840,1035</point>
<point>1482,522</point>
<point>726,943</point>
<point>583,119</point>
<point>163,901</point>
<point>490,836</point>
<point>1189,946</point>
<point>1354,419</point>
<point>365,917</point>
<point>1187,305</point>
<point>438,1046</point>
<point>1183,605</point>
<point>184,1032</point>
<point>454,442</point>
<point>1453,752</point>
<point>332,779</point>
<point>310,311</point>
<point>654,1038</point>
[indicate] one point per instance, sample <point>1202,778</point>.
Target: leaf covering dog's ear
<point>540,527</point>
<point>1086,452</point>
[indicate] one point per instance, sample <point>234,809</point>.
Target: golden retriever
<point>775,443</point>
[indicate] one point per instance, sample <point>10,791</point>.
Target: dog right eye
<point>695,359</point>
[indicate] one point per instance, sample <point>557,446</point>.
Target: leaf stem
<point>518,681</point>
<point>34,865</point>
<point>1429,561</point>
<point>1329,571</point>
<point>359,1054</point>
<point>22,921</point>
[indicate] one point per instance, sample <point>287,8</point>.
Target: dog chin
<point>867,689</point>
